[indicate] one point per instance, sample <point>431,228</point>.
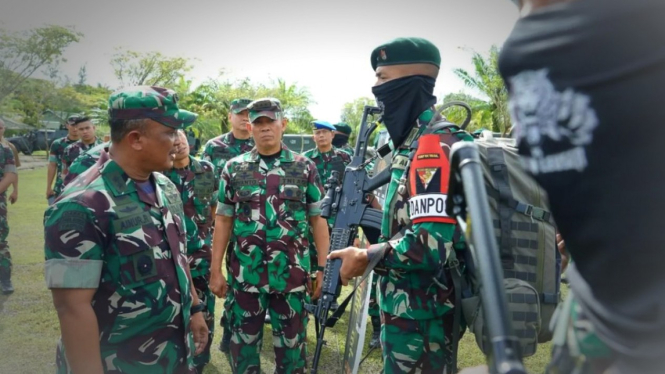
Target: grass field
<point>29,327</point>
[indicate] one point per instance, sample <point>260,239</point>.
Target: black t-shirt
<point>268,159</point>
<point>587,87</point>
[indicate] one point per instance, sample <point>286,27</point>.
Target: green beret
<point>343,128</point>
<point>403,51</point>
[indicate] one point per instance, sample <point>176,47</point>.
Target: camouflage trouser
<point>201,284</point>
<point>374,310</point>
<point>413,346</point>
<point>5,257</point>
<point>246,312</point>
<point>575,346</point>
<point>224,320</point>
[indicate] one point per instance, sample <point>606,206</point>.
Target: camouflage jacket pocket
<point>292,203</point>
<point>138,265</point>
<point>248,205</point>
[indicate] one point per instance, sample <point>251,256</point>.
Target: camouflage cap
<point>156,103</point>
<point>343,128</point>
<point>266,107</point>
<point>238,105</point>
<point>404,51</point>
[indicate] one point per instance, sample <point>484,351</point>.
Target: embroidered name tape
<point>429,208</point>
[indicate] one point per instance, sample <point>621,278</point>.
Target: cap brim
<point>238,110</point>
<point>270,114</point>
<point>181,119</point>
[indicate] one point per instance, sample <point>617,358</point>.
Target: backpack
<point>525,234</point>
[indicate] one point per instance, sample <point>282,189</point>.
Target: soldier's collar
<point>117,181</point>
<point>284,156</point>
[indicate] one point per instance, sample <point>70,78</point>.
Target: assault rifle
<point>350,204</point>
<point>467,195</point>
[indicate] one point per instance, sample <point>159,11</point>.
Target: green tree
<point>352,114</point>
<point>23,53</point>
<point>486,79</point>
<point>212,100</point>
<point>481,114</point>
<point>151,68</point>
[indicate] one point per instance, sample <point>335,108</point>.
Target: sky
<point>321,45</point>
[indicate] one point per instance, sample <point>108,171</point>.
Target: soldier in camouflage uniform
<point>327,159</point>
<point>268,197</point>
<point>8,176</point>
<point>55,160</point>
<point>341,139</point>
<point>115,250</point>
<point>197,185</point>
<point>84,161</point>
<point>415,309</point>
<point>219,151</point>
<point>86,132</point>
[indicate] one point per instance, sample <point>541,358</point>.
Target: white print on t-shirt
<point>540,112</point>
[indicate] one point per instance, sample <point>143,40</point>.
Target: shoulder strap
<point>499,172</point>
<point>196,165</point>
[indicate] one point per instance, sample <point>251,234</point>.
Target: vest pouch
<point>523,310</point>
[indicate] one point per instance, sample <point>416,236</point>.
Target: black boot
<point>375,342</point>
<point>6,281</point>
<point>225,344</point>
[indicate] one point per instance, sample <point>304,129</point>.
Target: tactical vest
<point>204,182</point>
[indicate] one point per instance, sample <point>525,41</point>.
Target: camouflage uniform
<point>326,163</point>
<point>7,165</point>
<point>56,155</point>
<point>347,149</point>
<point>108,233</point>
<point>74,150</point>
<point>85,161</point>
<point>197,186</point>
<point>412,304</point>
<point>269,269</point>
<point>221,149</point>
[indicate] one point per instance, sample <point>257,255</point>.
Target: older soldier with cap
<point>268,198</point>
<point>219,151</point>
<point>414,290</point>
<point>197,183</point>
<point>56,152</point>
<point>115,250</point>
<point>341,137</point>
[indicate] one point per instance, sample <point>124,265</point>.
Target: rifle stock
<point>349,203</point>
<point>467,195</point>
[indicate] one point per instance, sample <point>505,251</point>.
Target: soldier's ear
<point>285,122</point>
<point>249,126</point>
<point>135,140</point>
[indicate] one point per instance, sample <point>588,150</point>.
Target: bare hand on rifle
<point>354,262</point>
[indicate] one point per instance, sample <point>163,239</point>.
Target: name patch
<point>428,208</point>
<point>132,223</point>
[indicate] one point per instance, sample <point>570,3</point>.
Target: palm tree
<point>487,80</point>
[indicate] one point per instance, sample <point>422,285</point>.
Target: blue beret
<point>322,125</point>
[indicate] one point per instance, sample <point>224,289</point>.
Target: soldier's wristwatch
<point>319,268</point>
<point>197,308</point>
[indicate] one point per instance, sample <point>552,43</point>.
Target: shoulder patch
<point>72,220</point>
<point>428,179</point>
